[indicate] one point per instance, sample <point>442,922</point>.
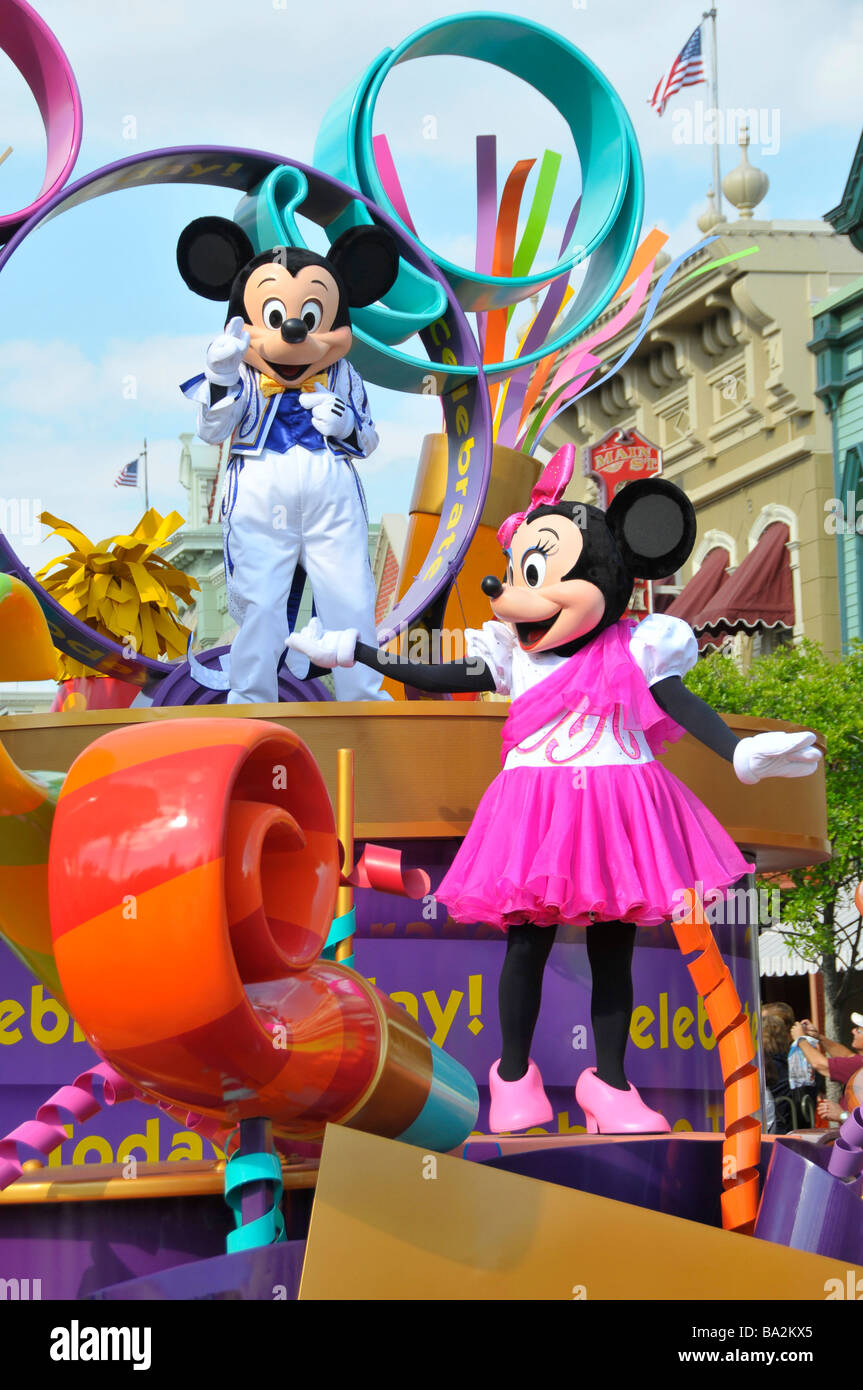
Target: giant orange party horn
<point>192,878</point>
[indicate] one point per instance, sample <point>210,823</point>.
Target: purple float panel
<point>804,1206</point>
<point>674,1174</point>
<point>269,1274</point>
<point>181,688</point>
<point>446,976</point>
<point>75,1248</point>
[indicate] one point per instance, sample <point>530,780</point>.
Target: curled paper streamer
<point>244,1170</point>
<point>380,867</point>
<point>78,1103</point>
<point>741,1149</point>
<point>546,417</point>
<point>47,1131</point>
<point>846,1159</point>
<point>120,587</point>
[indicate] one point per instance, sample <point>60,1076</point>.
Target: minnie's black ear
<point>210,253</point>
<point>653,523</point>
<point>367,260</point>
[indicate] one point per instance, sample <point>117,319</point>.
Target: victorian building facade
<point>837,342</point>
<point>724,384</point>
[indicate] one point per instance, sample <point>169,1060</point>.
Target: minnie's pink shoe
<point>609,1111</point>
<point>517,1104</point>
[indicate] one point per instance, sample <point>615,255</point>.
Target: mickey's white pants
<point>281,510</point>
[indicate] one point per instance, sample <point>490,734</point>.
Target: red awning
<point>758,595</point>
<point>702,586</point>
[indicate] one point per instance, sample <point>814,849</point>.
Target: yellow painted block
<point>391,1222</point>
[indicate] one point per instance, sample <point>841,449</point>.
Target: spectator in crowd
<point>803,1080</point>
<point>835,1062</point>
<point>775,1042</point>
<point>783,1011</point>
<point>804,1084</point>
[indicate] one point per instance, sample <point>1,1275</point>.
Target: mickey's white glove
<point>775,755</point>
<point>326,649</point>
<point>330,416</point>
<point>225,354</point>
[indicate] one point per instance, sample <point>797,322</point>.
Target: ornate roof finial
<point>745,186</point>
<point>710,218</point>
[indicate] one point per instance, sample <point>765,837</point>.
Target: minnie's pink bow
<point>549,488</point>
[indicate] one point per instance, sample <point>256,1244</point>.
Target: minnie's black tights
<point>609,950</point>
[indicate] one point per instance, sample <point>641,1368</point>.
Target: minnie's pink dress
<point>582,824</point>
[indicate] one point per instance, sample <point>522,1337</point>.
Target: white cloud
<point>52,379</point>
<point>261,74</point>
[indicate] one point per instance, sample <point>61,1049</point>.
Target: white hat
<point>857,1020</point>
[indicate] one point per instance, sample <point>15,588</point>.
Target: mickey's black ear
<point>653,523</point>
<point>210,253</point>
<point>367,260</point>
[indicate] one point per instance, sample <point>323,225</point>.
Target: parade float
<point>248,1048</point>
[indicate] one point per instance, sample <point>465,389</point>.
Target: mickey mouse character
<point>583,825</point>
<point>277,379</point>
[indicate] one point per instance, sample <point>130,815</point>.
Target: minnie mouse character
<point>583,825</point>
<point>277,380</point>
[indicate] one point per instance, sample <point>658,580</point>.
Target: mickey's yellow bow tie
<point>269,387</point>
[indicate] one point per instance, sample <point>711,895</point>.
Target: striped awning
<point>702,587</point>
<point>776,957</point>
<point>758,595</point>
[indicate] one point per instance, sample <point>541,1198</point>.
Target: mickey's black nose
<point>294,331</point>
<point>492,586</point>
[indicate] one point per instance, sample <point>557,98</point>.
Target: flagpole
<point>146,479</point>
<point>714,72</point>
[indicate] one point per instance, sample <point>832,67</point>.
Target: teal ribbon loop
<point>241,1170</point>
<point>341,928</point>
<point>609,222</point>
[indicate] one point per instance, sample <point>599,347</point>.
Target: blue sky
<point>94,298</point>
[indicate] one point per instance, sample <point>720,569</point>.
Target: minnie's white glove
<point>225,354</point>
<point>330,416</point>
<point>327,649</point>
<point>775,755</point>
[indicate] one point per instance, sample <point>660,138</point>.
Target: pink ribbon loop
<point>380,867</point>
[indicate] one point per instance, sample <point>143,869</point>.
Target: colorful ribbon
<point>543,420</point>
<point>846,1158</point>
<point>486,215</point>
<point>741,1149</point>
<point>47,1131</point>
<point>380,867</point>
<point>240,1171</point>
<point>342,927</point>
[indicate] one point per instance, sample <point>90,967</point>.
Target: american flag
<point>128,475</point>
<point>687,70</point>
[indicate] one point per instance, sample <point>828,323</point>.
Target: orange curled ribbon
<point>741,1149</point>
